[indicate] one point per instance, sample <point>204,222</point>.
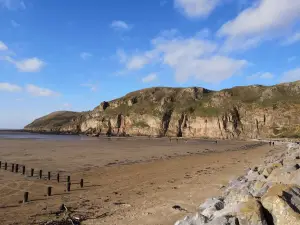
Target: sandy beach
<point>126,180</point>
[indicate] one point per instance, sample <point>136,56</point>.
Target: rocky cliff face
<point>239,112</point>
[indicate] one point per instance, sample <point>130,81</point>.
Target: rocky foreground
<point>237,113</point>
<point>267,195</point>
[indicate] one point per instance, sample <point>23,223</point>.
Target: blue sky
<point>73,54</point>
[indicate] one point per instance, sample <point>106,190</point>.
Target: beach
<point>126,180</point>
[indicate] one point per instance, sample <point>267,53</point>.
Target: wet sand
<point>126,180</point>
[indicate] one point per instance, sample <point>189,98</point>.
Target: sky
<point>74,54</point>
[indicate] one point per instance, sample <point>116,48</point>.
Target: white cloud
<point>292,39</point>
<point>120,25</point>
<point>151,77</point>
<point>14,23</point>
<point>39,91</point>
<point>137,62</point>
<point>3,46</point>
<point>93,87</point>
<point>26,65</point>
<point>292,75</point>
<point>85,55</point>
<point>188,57</point>
<point>196,8</point>
<point>261,75</point>
<point>10,87</point>
<point>13,4</point>
<point>30,65</point>
<point>263,20</point>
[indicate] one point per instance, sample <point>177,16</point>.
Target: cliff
<point>240,112</point>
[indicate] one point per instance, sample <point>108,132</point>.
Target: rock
<point>283,202</point>
<point>224,220</point>
<point>252,175</point>
<point>251,213</point>
<point>281,175</point>
<point>258,188</point>
<point>268,170</point>
<point>237,195</point>
<point>198,219</point>
<point>210,206</point>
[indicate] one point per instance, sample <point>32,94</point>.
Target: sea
<point>15,134</point>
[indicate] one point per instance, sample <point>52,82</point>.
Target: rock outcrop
<point>236,113</point>
<point>267,195</point>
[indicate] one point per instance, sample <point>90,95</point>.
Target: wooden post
<point>0,164</point>
<point>17,168</point>
<point>81,183</point>
<point>41,174</point>
<point>68,186</point>
<point>32,172</point>
<point>25,199</point>
<point>57,177</point>
<point>69,179</point>
<point>49,189</point>
<point>49,175</point>
<point>5,165</point>
<point>12,167</point>
<point>23,170</point>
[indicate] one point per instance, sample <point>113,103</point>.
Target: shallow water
<point>27,135</point>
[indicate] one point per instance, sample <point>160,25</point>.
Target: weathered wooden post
<point>17,168</point>
<point>12,167</point>
<point>68,186</point>
<point>49,190</point>
<point>41,174</point>
<point>25,198</point>
<point>23,170</point>
<point>32,172</point>
<point>49,175</point>
<point>0,164</point>
<point>5,165</point>
<point>57,177</point>
<point>69,179</point>
<point>81,183</point>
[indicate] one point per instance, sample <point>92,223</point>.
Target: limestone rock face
<point>236,113</point>
<point>283,202</point>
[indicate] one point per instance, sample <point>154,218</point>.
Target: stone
<point>258,188</point>
<point>268,170</point>
<point>197,219</point>
<point>281,175</point>
<point>251,213</point>
<point>210,206</point>
<point>252,175</point>
<point>283,202</point>
<point>223,220</point>
<point>238,194</point>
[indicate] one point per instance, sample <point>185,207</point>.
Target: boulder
<point>239,194</point>
<point>285,175</point>
<point>283,203</point>
<point>210,206</point>
<point>258,188</point>
<point>251,213</point>
<point>268,170</point>
<point>252,175</point>
<point>224,220</point>
<point>197,219</point>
